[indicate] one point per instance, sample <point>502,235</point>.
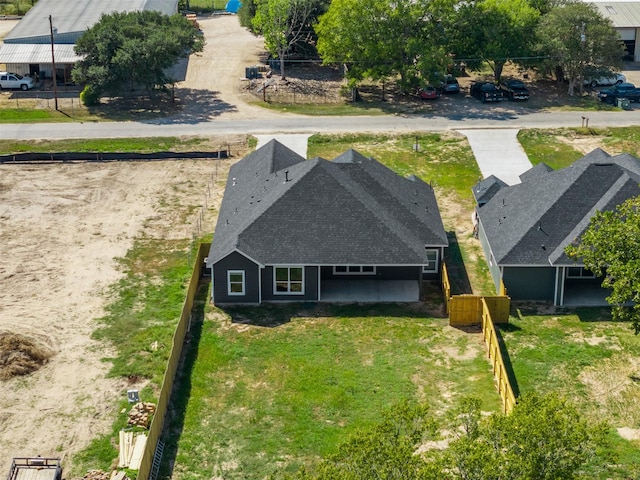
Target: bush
<point>89,96</point>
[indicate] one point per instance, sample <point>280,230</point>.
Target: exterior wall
<point>493,267</point>
<point>530,283</point>
<point>382,273</point>
<point>311,287</point>
<point>235,261</point>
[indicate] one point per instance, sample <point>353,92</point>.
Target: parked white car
<point>614,79</point>
<point>13,80</point>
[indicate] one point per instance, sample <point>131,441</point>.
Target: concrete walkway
<point>296,142</point>
<point>498,153</point>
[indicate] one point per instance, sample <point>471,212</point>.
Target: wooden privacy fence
<point>467,310</point>
<point>490,337</point>
<point>155,430</point>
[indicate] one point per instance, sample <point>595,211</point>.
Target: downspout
<point>319,286</point>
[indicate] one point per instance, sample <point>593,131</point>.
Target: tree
<point>609,248</point>
<point>577,38</point>
<point>543,438</point>
<point>283,23</point>
<point>125,49</point>
<point>383,451</point>
<point>378,40</point>
<point>493,31</point>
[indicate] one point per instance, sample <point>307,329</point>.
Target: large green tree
<point>285,23</point>
<point>379,39</point>
<point>133,48</point>
<point>493,31</point>
<point>578,39</point>
<point>543,438</point>
<point>610,247</point>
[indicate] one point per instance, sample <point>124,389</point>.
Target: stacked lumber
<point>140,414</point>
<point>131,450</point>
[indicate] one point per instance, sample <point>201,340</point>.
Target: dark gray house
<point>525,228</point>
<point>294,230</point>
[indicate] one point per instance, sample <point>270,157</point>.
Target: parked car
<point>623,90</point>
<point>449,84</point>
<point>514,89</point>
<point>486,92</point>
<point>615,79</point>
<point>428,92</point>
<point>13,80</point>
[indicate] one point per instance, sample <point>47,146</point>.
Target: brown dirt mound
<point>20,356</point>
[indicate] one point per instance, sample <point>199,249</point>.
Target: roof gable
<point>531,223</point>
<point>350,211</point>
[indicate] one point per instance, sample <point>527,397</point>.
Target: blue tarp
<point>233,6</point>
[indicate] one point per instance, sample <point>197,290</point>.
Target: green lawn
<point>554,146</point>
<point>275,388</point>
<point>588,358</point>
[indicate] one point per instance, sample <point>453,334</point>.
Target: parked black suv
<point>486,92</point>
<point>514,89</point>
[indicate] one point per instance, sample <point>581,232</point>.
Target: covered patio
<point>369,291</point>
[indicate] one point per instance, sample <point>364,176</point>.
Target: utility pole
<point>53,66</point>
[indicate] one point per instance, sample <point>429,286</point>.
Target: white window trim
<point>426,269</point>
<point>289,292</point>
<point>236,272</point>
<point>581,276</point>
<point>354,273</point>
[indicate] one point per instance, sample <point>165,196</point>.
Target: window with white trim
<point>235,282</point>
<point>432,262</point>
<point>579,272</point>
<point>354,270</point>
<point>288,280</point>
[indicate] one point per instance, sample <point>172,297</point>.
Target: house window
<point>235,282</point>
<point>354,270</point>
<point>288,280</point>
<point>579,272</point>
<point>432,262</point>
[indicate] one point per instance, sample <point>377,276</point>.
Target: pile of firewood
<point>140,414</point>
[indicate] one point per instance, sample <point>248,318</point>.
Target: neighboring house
<point>525,228</point>
<point>625,17</point>
<point>295,230</point>
<point>27,48</point>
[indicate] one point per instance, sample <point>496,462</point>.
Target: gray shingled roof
<point>72,18</point>
<point>279,208</point>
<point>532,222</point>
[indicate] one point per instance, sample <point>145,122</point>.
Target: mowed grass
<point>590,359</point>
<point>444,160</point>
<point>274,388</point>
<point>559,148</point>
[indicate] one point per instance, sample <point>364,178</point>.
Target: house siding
<point>530,283</point>
<point>382,273</point>
<point>311,288</point>
<point>235,261</point>
<point>494,269</point>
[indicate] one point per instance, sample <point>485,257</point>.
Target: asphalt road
<point>287,123</point>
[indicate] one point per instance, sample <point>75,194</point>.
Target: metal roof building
<point>625,17</point>
<point>27,48</point>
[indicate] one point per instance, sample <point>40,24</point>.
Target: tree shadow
<point>174,106</point>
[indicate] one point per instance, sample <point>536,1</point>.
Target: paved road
<point>287,123</point>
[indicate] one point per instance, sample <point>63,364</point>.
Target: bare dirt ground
<point>62,227</point>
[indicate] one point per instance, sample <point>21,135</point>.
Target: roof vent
<point>286,176</point>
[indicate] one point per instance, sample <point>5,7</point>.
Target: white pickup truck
<point>13,80</point>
